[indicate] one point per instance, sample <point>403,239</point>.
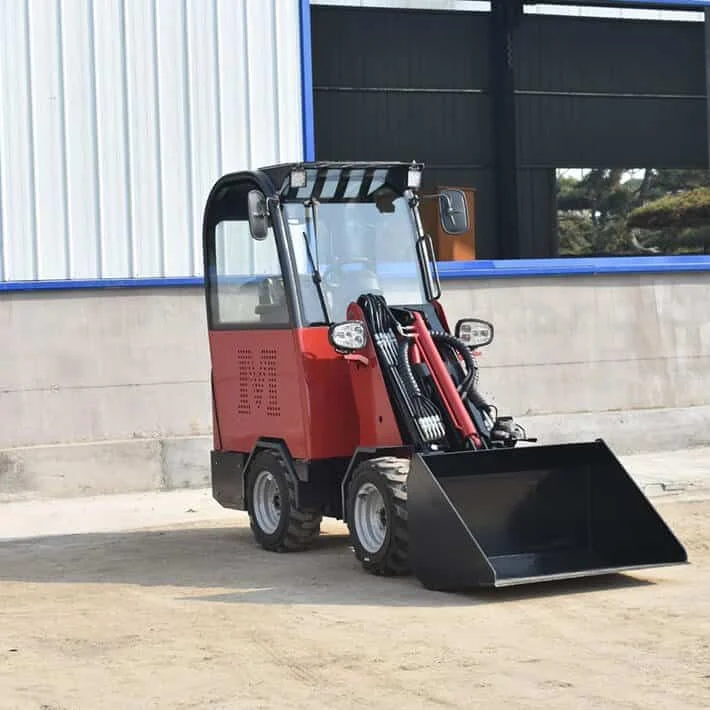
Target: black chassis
<point>319,484</point>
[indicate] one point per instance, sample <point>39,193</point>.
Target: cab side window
<point>247,288</point>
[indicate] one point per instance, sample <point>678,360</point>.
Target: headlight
<point>414,178</point>
<point>348,336</point>
<point>474,332</point>
<point>298,177</point>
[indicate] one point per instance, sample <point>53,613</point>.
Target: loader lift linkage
<point>338,389</point>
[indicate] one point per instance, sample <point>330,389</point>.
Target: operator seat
<point>272,307</point>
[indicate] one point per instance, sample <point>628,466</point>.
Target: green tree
<point>590,211</point>
<point>680,221</point>
<point>594,213</point>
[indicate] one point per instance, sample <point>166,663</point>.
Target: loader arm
<point>417,363</point>
<point>482,513</point>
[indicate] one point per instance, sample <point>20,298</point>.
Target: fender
<point>230,470</point>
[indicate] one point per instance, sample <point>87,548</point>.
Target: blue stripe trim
<point>309,141</point>
<point>71,284</point>
<point>572,267</point>
<point>448,270</point>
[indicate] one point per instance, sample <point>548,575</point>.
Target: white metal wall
<point>118,115</point>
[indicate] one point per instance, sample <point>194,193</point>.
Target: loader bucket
<point>505,517</point>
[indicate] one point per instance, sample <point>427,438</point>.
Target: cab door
<point>256,374</point>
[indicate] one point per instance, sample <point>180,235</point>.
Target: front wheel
<point>276,522</point>
<point>377,515</point>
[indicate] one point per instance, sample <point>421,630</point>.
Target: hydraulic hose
<point>383,323</point>
<point>468,387</point>
<point>381,319</point>
<point>424,407</point>
<point>407,367</point>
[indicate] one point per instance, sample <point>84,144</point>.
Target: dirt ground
<point>196,616</point>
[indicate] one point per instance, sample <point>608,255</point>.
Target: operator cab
<point>293,245</point>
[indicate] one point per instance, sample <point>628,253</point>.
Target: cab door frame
<point>218,204</point>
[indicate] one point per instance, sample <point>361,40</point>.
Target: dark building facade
<point>498,101</point>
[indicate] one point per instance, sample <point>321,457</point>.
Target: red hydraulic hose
<point>444,383</point>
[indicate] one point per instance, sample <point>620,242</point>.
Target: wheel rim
<point>370,517</point>
<point>266,500</point>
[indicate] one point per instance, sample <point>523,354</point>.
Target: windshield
<point>358,248</point>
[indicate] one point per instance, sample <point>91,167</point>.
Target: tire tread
<point>393,472</point>
<point>303,524</point>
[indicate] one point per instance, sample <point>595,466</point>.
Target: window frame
<point>217,212</point>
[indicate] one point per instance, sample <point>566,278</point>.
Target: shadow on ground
<point>227,562</point>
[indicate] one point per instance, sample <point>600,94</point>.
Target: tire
<point>276,527</point>
<point>376,509</point>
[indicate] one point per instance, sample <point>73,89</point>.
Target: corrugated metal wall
<point>117,116</point>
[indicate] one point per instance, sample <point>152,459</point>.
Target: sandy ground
<point>194,615</point>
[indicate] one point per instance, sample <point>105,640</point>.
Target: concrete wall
<point>102,391</point>
<point>626,357</point>
<point>107,391</point>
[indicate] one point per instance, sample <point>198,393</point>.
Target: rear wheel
<point>376,509</point>
<point>276,522</point>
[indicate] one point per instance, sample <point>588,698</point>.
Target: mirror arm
<point>425,252</point>
<point>436,292</point>
<point>443,196</point>
<point>448,212</point>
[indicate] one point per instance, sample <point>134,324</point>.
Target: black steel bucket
<point>505,517</point>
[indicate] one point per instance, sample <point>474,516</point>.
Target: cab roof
<point>327,181</point>
<point>341,181</point>
<point>279,172</point>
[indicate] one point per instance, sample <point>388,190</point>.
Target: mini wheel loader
<point>339,390</point>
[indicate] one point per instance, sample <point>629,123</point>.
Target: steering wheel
<point>333,277</point>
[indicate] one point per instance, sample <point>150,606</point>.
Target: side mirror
<point>453,212</point>
<point>474,332</point>
<point>258,215</point>
<point>348,336</point>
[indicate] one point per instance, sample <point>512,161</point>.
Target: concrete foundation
<point>107,391</point>
<point>105,467</point>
